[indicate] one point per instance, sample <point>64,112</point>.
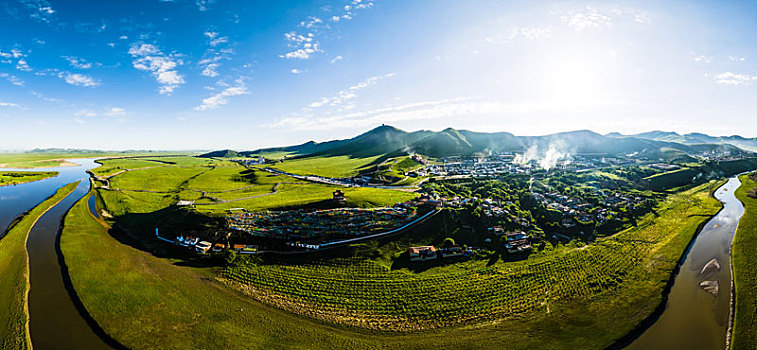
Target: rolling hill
<point>389,141</point>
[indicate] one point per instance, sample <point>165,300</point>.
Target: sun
<point>572,82</point>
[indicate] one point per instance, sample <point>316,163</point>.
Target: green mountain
<point>388,141</point>
<point>227,153</point>
<point>747,144</point>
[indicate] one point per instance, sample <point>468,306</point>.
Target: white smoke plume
<point>546,159</point>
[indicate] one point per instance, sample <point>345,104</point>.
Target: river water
<point>696,315</point>
<point>54,322</point>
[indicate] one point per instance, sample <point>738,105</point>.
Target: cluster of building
<point>319,224</point>
<point>574,209</point>
<point>515,242</point>
<point>203,247</point>
<point>429,252</point>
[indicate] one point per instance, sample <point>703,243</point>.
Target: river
<point>696,315</point>
<point>55,322</point>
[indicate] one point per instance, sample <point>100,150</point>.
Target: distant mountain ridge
<point>389,141</point>
<point>748,144</point>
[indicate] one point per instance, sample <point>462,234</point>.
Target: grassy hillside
<point>8,178</point>
<point>14,275</point>
<point>148,302</point>
<point>695,174</point>
<point>744,254</point>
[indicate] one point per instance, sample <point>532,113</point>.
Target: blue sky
<point>209,74</point>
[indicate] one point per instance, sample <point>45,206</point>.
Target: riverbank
<point>10,178</point>
<point>14,274</point>
<point>744,256</point>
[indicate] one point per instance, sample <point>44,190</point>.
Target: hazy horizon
<point>218,74</point>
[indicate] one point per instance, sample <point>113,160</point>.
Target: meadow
<point>58,158</point>
<point>335,166</point>
<point>141,186</point>
<point>14,274</point>
<point>744,255</point>
<point>9,178</point>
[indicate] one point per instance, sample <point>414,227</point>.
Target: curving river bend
<point>697,312</point>
<point>55,322</point>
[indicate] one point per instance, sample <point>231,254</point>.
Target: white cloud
<point>149,58</point>
<point>737,58</point>
<point>12,79</point>
<point>79,120</point>
<point>589,17</point>
<point>703,59</point>
<point>79,79</point>
<point>215,40</point>
<point>78,62</point>
<point>23,66</point>
<point>85,113</point>
<point>730,78</point>
<point>221,98</point>
<point>336,59</point>
<point>211,61</point>
<point>114,111</point>
<point>346,94</point>
<point>202,5</point>
<point>304,46</point>
<point>8,104</point>
<point>39,10</point>
<point>296,71</point>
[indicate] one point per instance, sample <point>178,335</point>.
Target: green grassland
<point>8,178</point>
<point>218,185</point>
<point>55,159</point>
<point>744,256</point>
<point>115,165</point>
<point>14,273</point>
<point>603,290</point>
<point>335,166</point>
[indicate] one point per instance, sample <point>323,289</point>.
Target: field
<point>744,256</point>
<point>14,274</point>
<point>143,185</point>
<point>57,158</point>
<point>8,178</point>
<point>336,166</point>
<point>366,293</point>
<point>604,290</point>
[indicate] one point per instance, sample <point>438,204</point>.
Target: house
<point>568,222</point>
<point>339,196</point>
<point>422,253</point>
<point>497,230</point>
<point>203,247</point>
<point>219,247</point>
<point>452,251</point>
<point>517,242</point>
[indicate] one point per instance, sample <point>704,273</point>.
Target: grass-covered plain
<point>57,158</point>
<point>8,178</point>
<point>335,166</point>
<point>14,273</point>
<point>744,255</point>
<point>217,185</point>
